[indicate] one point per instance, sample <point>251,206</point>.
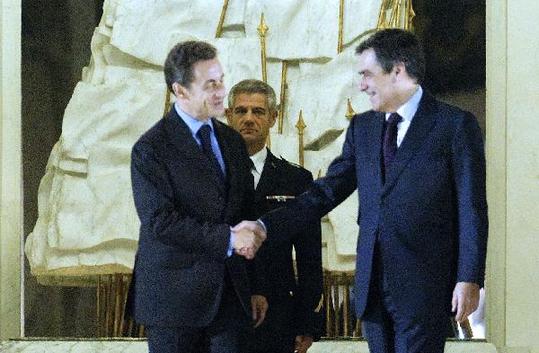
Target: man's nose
<point>362,85</point>
<point>220,90</point>
<point>249,116</point>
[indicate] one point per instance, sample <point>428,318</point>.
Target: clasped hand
<point>248,237</point>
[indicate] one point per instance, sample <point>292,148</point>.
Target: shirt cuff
<point>230,250</point>
<point>260,223</point>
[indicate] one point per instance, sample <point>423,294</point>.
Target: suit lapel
<point>267,178</point>
<point>375,144</point>
<point>230,170</point>
<point>419,129</point>
<point>190,153</point>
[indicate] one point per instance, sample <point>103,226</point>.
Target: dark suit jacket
<point>281,178</point>
<point>185,214</point>
<point>430,217</point>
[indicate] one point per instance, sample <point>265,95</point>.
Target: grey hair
<point>252,86</point>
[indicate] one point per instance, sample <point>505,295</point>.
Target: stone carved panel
<point>87,222</point>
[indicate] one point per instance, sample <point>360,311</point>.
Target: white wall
<point>10,168</point>
<point>513,174</point>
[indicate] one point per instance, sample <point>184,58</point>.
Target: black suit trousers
<point>276,333</point>
<point>389,331</point>
<point>223,335</point>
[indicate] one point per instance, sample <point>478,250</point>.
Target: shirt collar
<point>408,109</point>
<point>193,124</point>
<point>259,158</point>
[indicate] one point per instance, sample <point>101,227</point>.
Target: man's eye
<point>214,85</point>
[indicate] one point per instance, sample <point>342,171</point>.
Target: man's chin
<point>247,136</point>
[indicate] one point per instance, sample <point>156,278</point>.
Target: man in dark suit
<point>191,180</point>
<point>419,168</point>
<point>292,321</point>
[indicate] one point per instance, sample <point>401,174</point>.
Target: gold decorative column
<point>300,125</point>
<point>219,30</point>
<point>282,98</point>
<point>340,39</point>
<point>262,30</point>
<point>167,102</point>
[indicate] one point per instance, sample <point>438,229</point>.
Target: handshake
<point>248,237</point>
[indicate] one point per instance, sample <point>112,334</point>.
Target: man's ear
<point>273,117</point>
<point>179,90</point>
<point>396,72</point>
<point>399,69</point>
<point>228,113</point>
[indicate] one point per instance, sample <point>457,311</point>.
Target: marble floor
<point>139,346</point>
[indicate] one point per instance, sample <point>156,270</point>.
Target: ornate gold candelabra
<point>401,14</point>
<point>349,110</point>
<point>409,15</point>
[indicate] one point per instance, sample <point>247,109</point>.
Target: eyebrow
<point>213,80</point>
<point>242,107</point>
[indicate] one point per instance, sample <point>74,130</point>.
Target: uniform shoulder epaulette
<point>281,158</point>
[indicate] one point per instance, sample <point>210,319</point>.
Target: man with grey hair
<point>191,182</point>
<point>292,321</point>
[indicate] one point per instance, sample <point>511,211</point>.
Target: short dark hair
<point>181,58</point>
<point>252,86</point>
<point>394,46</point>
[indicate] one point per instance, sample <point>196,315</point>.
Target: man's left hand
<point>302,343</point>
<point>259,306</point>
<point>465,299</point>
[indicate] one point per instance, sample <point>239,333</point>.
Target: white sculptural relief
<point>87,222</point>
<point>85,197</point>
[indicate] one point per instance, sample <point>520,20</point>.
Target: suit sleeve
<point>468,159</point>
<point>153,196</point>
<point>307,245</point>
<point>323,196</point>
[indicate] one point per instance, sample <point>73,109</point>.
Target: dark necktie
<point>204,135</point>
<point>252,170</point>
<point>389,146</point>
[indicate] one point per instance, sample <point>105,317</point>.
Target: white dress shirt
<point>259,158</point>
<point>407,112</point>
